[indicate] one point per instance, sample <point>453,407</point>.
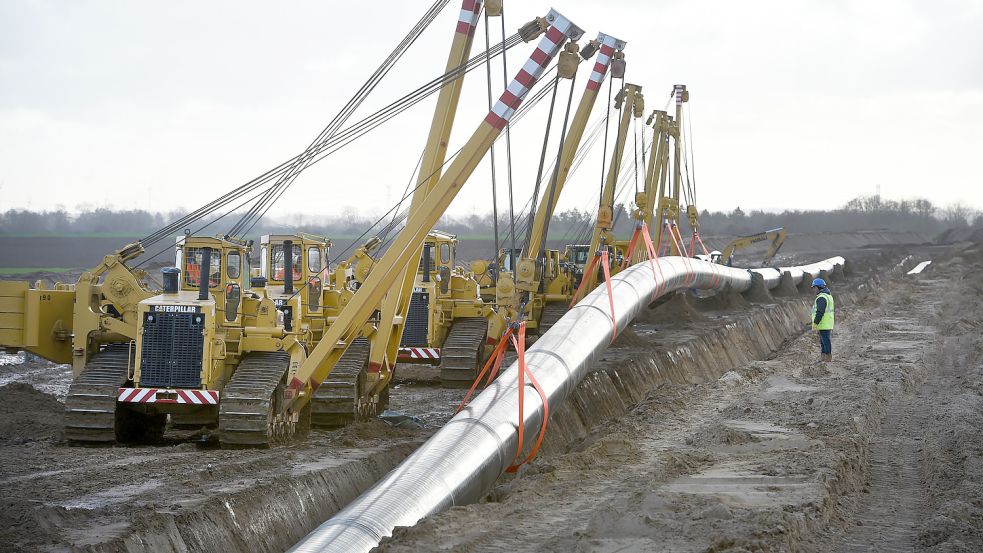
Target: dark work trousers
<point>825,341</point>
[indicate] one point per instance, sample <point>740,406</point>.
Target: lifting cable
<point>508,151</point>
<point>332,145</point>
<point>254,214</point>
<point>551,192</point>
<point>542,161</point>
<point>585,147</point>
<point>523,110</point>
<point>634,132</point>
<point>607,131</point>
<point>491,153</point>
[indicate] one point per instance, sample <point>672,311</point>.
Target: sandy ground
<point>879,451</point>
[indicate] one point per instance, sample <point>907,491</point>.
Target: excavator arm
<point>777,237</point>
<point>405,249</point>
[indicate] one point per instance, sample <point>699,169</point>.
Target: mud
<point>28,415</point>
<point>878,451</point>
<point>187,495</point>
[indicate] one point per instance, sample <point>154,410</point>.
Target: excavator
<point>776,236</point>
<point>212,344</point>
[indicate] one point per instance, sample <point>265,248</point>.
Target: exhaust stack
<point>205,273</point>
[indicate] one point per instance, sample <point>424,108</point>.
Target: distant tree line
<point>570,226</point>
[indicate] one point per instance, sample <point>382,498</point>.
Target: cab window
<point>314,260</point>
<point>277,264</point>
<point>192,267</point>
<point>233,264</point>
<point>445,253</point>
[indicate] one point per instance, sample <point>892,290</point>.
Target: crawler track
<point>340,398</point>
<point>90,407</point>
<point>248,409</point>
<point>462,352</point>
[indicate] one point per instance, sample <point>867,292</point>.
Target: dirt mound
<point>628,338</point>
<point>28,415</point>
<point>679,309</point>
<point>725,300</point>
<point>372,429</point>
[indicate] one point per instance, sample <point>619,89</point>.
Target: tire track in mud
<point>921,486</point>
<point>891,512</point>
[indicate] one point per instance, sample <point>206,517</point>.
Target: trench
<point>275,515</point>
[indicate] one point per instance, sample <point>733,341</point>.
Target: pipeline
<point>459,463</point>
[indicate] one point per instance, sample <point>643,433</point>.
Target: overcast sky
<point>794,104</point>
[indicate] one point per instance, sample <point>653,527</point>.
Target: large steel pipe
<point>459,463</point>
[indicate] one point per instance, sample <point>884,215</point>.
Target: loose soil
<point>187,494</point>
<point>880,450</point>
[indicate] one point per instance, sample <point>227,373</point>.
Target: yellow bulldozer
<point>447,323</point>
<point>253,355</point>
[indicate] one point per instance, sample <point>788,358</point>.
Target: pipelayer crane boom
<point>670,198</point>
<point>405,248</point>
<point>632,103</point>
<point>655,176</point>
<point>531,268</point>
<point>395,305</point>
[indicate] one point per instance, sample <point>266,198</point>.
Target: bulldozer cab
<point>308,266</point>
<point>437,261</point>
<point>227,272</point>
<point>505,260</point>
<point>177,329</point>
<point>577,255</point>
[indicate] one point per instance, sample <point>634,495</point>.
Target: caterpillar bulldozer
<point>140,354</point>
<point>214,345</point>
<point>447,322</point>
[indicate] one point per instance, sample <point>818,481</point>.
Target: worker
<point>822,319</point>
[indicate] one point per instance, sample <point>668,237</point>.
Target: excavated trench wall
<point>266,518</point>
<point>611,392</point>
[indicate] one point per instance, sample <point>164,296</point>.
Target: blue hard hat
<point>819,282</point>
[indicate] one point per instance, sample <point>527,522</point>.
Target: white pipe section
<point>459,463</point>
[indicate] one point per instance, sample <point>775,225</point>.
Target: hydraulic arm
<point>670,196</point>
<point>632,104</point>
<point>536,269</point>
<point>406,247</point>
<point>395,305</point>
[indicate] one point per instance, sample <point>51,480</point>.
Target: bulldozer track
<point>552,312</point>
<point>90,407</point>
<point>249,413</point>
<point>339,400</point>
<point>461,356</point>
